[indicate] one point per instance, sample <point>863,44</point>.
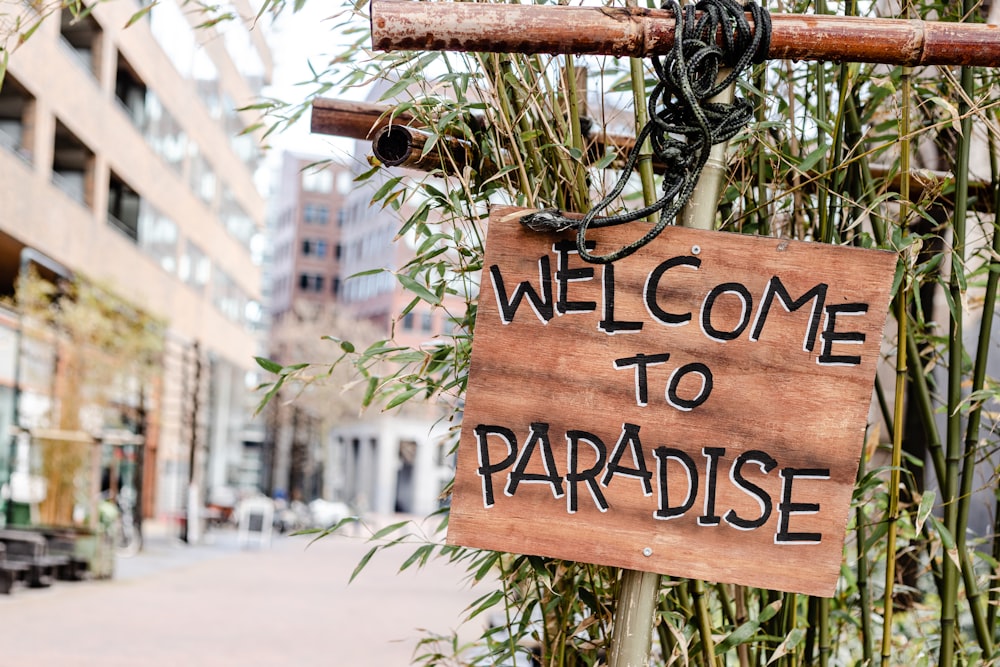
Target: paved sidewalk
<point>217,604</point>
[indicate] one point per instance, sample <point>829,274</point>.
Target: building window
<point>317,180</point>
<point>314,247</point>
<point>82,34</point>
<point>72,163</point>
<point>316,214</point>
<point>426,322</point>
<point>408,322</point>
<point>124,206</point>
<point>335,282</point>
<point>194,267</point>
<point>16,110</point>
<point>310,282</point>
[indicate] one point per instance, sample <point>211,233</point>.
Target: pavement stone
<point>217,604</point>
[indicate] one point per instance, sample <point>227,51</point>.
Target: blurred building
<point>124,160</point>
<point>302,280</point>
<point>331,271</point>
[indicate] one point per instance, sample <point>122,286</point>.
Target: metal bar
<point>625,31</point>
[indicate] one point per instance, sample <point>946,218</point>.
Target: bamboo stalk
<point>980,624</point>
<point>864,590</point>
<point>637,32</point>
<point>900,388</point>
<point>993,595</point>
<point>956,345</point>
<point>633,625</point>
<point>636,647</point>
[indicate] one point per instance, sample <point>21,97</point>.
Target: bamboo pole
<point>632,31</point>
<point>355,120</point>
<point>363,121</point>
<point>634,619</point>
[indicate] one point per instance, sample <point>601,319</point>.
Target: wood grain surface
<point>696,409</point>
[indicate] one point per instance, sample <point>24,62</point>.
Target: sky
<point>297,40</point>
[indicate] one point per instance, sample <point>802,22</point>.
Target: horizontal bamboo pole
<point>623,31</point>
<point>366,121</point>
<point>354,120</point>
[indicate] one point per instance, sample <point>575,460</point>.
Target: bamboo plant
<point>842,153</point>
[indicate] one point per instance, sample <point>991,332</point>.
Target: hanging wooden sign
<point>696,409</point>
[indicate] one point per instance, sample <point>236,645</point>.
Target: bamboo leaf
<point>142,12</point>
<point>809,161</point>
<point>947,540</point>
<point>402,397</point>
<point>484,603</point>
<point>413,286</point>
<point>388,530</point>
<point>268,365</point>
<point>924,510</point>
<point>363,562</point>
<point>422,553</point>
<point>791,642</point>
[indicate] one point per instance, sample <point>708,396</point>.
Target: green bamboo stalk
<point>763,221</point>
<point>508,115</point>
<point>953,456</point>
<point>632,636</point>
<point>824,632</point>
<point>864,590</point>
<point>822,117</point>
<point>982,628</point>
<point>897,414</point>
<point>578,174</point>
<point>993,597</point>
<point>704,620</point>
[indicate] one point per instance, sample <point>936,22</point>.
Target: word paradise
<point>695,409</point>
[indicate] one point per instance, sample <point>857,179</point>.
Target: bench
<point>64,544</point>
<point>10,571</point>
<point>31,549</point>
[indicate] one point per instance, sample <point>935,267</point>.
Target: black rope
<point>683,125</point>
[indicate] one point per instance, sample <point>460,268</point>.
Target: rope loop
<point>683,125</point>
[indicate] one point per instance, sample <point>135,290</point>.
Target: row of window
<point>318,248</point>
<point>424,322</point>
<point>316,282</point>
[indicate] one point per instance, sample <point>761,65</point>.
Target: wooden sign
<point>696,409</point>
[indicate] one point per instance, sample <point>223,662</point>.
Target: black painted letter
<point>663,456</point>
<point>706,311</point>
<point>486,468</point>
<point>608,323</point>
<point>539,434</point>
<point>641,361</point>
<point>653,286</point>
<point>786,507</point>
<point>542,305</point>
<point>566,275</point>
<point>573,476</point>
<point>687,404</point>
<point>775,288</point>
<point>831,336</point>
<point>629,440</point>
<point>767,464</point>
<point>713,454</point>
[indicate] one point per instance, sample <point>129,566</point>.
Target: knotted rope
<point>683,125</point>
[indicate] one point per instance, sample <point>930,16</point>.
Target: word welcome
<point>546,303</point>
